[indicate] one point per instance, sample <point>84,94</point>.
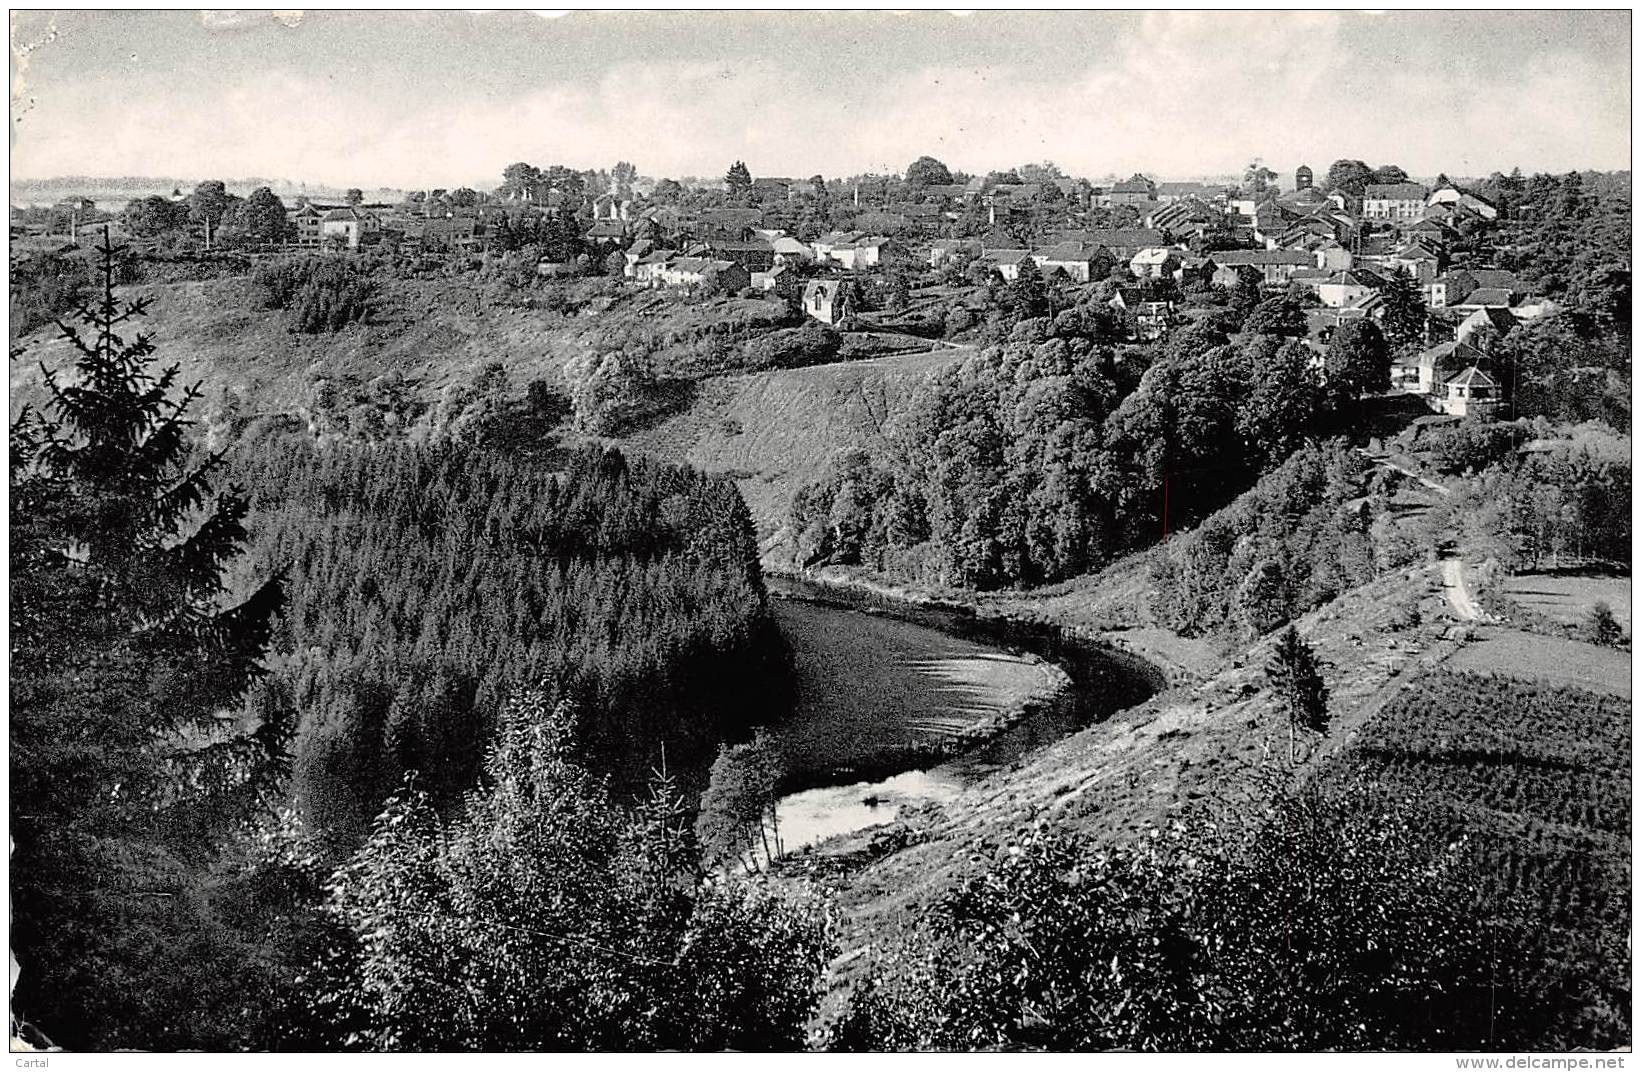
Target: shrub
<point>322,293</point>
<point>812,344</point>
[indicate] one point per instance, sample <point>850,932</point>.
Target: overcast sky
<point>445,99</point>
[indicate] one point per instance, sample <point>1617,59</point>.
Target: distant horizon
<point>1284,181</point>
<point>407,100</point>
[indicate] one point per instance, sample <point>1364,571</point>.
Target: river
<point>878,676</point>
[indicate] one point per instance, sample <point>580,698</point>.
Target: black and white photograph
<point>683,531</point>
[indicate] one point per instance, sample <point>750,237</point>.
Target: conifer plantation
<point>429,584</point>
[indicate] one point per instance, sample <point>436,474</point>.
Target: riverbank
<point>904,705</point>
<point>879,695</point>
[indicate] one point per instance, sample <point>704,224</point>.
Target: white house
<point>1394,201</point>
<point>347,224</point>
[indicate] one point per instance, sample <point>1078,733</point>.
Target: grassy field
<point>869,684</point>
<point>1569,597</point>
<point>1514,653</point>
<point>432,333</point>
<point>776,431</point>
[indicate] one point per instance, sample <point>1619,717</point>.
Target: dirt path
<point>1458,594</point>
<point>1395,466</point>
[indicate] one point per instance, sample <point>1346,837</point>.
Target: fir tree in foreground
<point>133,752</point>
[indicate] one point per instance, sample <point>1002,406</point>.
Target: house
<point>1276,266</point>
<point>1154,263</point>
<point>347,225</point>
<point>788,249</point>
<point>1487,321</point>
<point>1310,278</point>
<point>1332,256</point>
<point>1369,306</point>
<point>1424,373</point>
<point>1183,219</point>
<point>1420,260</point>
<point>754,255</point>
<point>1081,262</point>
<point>1394,200</point>
<point>1006,262</point>
<point>1134,191</point>
<point>606,233</point>
<point>307,220</point>
<point>1122,242</point>
<point>1148,316</point>
<point>647,269</point>
<point>1342,288</point>
<point>450,233</point>
<point>1487,298</point>
<point>826,300</point>
<point>1470,393</point>
<point>767,281</point>
<point>727,276</point>
<point>851,249</point>
<point>943,251</point>
<point>635,253</point>
<point>1451,195</point>
<point>1196,268</point>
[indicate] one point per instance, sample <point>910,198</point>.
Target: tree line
<point>1044,456</point>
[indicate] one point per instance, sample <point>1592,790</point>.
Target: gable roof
<point>1394,191</point>
<point>1070,252</point>
<point>1495,316</point>
<point>1236,258</point>
<point>1495,277</point>
<point>1487,296</point>
<point>1472,377</point>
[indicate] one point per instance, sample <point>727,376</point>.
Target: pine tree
<point>738,179</point>
<point>1295,673</point>
<point>132,749</point>
<point>1404,311</point>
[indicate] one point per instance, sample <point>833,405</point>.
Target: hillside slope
<point>775,431</point>
<point>432,333</point>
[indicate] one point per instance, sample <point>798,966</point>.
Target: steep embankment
<point>775,431</point>
<point>432,333</point>
<point>429,333</point>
